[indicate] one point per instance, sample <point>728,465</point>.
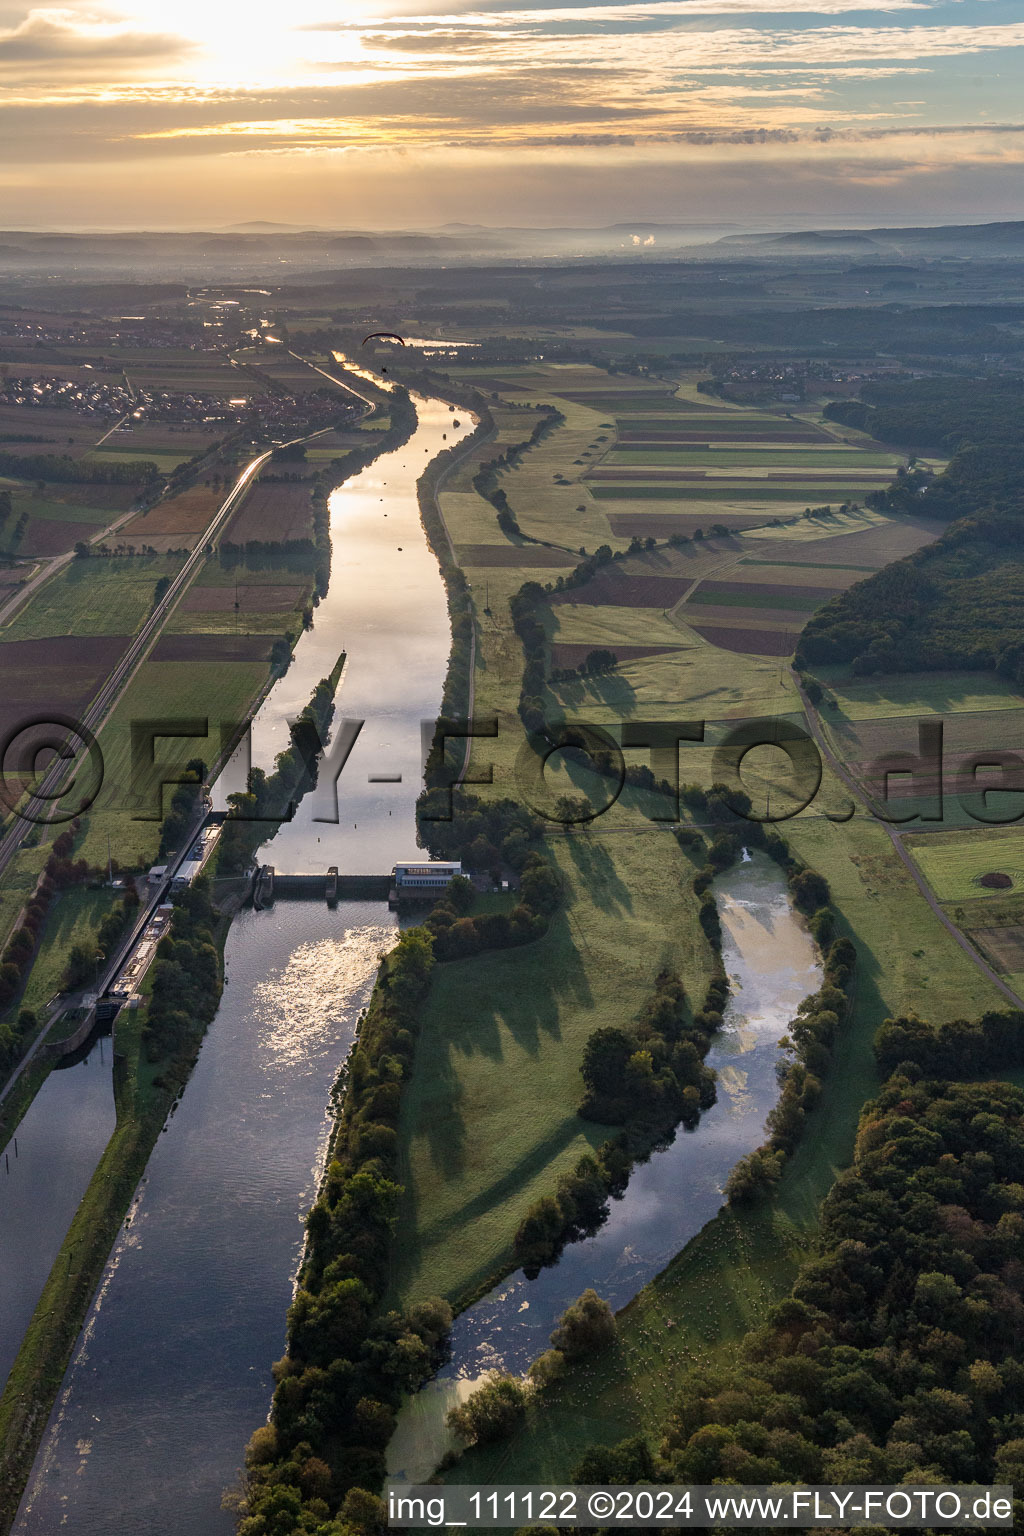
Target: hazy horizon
<point>403,116</point>
<point>703,231</point>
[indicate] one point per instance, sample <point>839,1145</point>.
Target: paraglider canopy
<point>383,336</point>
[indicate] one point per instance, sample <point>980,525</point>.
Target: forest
<point>897,1355</point>
<point>935,414</point>
<point>956,603</point>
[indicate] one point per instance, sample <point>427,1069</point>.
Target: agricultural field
<point>644,458</point>
<point>138,453</point>
<point>234,601</point>
<point>956,863</point>
<point>921,693</point>
<point>39,429</point>
<point>217,684</point>
<point>60,646</point>
<point>177,521</point>
<point>670,613</point>
<point>273,511</point>
<point>92,597</point>
<point>287,372</point>
<point>58,516</point>
<point>727,464</point>
<point>203,374</point>
<point>980,717</point>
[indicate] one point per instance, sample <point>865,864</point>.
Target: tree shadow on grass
<point>524,997</point>
<point>826,1144</point>
<point>511,1182</point>
<point>597,872</point>
<point>615,692</point>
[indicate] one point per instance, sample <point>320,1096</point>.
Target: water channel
<point>44,1172</point>
<point>172,1371</point>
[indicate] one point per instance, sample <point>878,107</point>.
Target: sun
<point>255,42</point>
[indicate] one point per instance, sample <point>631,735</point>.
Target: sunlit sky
<point>399,114</point>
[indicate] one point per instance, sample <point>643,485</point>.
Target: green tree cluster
<point>80,969</point>
<point>897,1355</point>
<point>186,979</point>
<point>647,1081</point>
<point>653,1075</point>
<point>269,797</point>
<point>483,834</point>
<point>457,934</point>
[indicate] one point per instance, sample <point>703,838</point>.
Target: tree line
<point>270,798</point>
<point>61,468</point>
<point>317,1466</point>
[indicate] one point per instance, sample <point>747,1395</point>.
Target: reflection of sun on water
<point>300,1007</point>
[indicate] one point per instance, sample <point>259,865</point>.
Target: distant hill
<point>260,248</point>
<point>1005,238</point>
<point>823,241</point>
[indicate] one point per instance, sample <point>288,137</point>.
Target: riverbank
<point>192,1300</point>
<point>743,1261</point>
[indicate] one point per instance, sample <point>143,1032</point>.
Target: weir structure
<point>330,886</point>
<point>269,886</point>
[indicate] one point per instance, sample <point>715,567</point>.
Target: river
<point>772,965</point>
<point>44,1173</point>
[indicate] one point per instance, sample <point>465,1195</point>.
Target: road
<point>896,838</point>
<point>102,705</point>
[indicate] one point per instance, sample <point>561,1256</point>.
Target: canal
<point>44,1172</point>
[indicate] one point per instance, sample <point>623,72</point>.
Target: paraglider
<point>383,336</point>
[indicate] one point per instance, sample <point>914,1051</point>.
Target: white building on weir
<point>420,876</point>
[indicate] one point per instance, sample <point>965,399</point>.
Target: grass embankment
<point>489,1120</point>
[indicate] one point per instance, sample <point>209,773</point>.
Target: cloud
<point>584,17</point>
<point>432,42</point>
<point>727,46</point>
<point>59,38</point>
